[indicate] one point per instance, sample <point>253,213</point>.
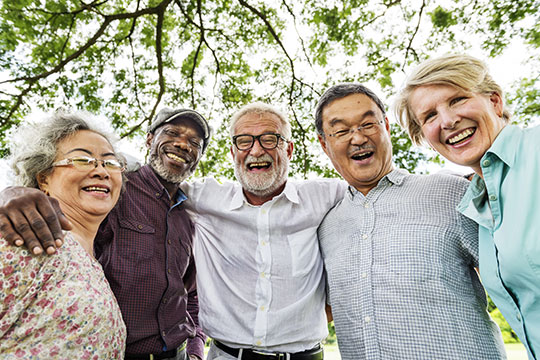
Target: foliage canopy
<point>126,59</point>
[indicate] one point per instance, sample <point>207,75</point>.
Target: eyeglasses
<point>87,163</point>
<point>366,129</point>
<point>267,141</point>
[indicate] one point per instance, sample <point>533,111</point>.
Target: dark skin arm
<point>28,216</point>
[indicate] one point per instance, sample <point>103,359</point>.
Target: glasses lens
<point>244,142</point>
<point>269,141</point>
<point>112,165</point>
<point>83,163</point>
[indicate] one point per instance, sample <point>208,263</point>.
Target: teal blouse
<point>506,206</point>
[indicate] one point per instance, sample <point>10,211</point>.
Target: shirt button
<point>262,308</point>
<point>492,197</point>
<point>169,271</point>
<point>518,317</point>
<point>364,236</point>
<point>258,342</point>
<point>165,300</point>
<point>157,194</point>
<point>367,319</point>
<point>163,333</point>
<point>263,274</point>
<point>364,275</point>
<point>366,205</point>
<point>486,163</point>
<point>169,241</point>
<point>139,227</point>
<point>263,243</point>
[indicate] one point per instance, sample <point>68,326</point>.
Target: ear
<point>322,140</point>
<point>149,138</point>
<point>43,182</point>
<point>232,152</point>
<point>497,102</point>
<point>290,148</point>
<point>387,125</point>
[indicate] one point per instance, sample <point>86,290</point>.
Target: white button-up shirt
<point>260,274</point>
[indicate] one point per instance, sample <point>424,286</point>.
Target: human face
<point>459,125</point>
<point>361,160</point>
<point>261,172</point>
<point>83,192</point>
<point>175,149</point>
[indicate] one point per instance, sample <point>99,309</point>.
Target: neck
<point>85,227</point>
<point>259,199</point>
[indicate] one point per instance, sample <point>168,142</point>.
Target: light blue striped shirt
<point>401,273</point>
<point>506,205</point>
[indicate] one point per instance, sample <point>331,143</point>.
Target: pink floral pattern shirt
<point>57,307</point>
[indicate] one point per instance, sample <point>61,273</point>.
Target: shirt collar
<point>290,192</point>
<point>148,174</point>
<point>395,177</point>
<point>505,145</point>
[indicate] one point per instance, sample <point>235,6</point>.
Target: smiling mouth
<point>461,137</point>
<point>176,158</point>
<point>259,165</point>
<point>96,189</point>
<point>362,156</point>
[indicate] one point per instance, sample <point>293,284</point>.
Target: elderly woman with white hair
<point>453,104</point>
<point>61,306</point>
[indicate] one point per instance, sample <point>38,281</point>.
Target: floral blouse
<point>58,306</point>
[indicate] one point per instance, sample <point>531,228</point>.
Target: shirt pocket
<point>136,239</point>
<point>305,254</point>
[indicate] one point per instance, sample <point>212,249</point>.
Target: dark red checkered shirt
<point>145,248</point>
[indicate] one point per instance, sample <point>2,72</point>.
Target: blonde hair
<point>462,71</point>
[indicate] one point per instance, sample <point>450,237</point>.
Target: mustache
<point>353,149</point>
<point>265,157</point>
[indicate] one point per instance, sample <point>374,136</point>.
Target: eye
<point>170,132</point>
<point>195,143</point>
<point>457,100</point>
<point>82,161</point>
<point>368,125</point>
<point>112,164</point>
<point>429,117</point>
<point>341,133</point>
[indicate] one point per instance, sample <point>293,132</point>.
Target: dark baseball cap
<point>166,115</point>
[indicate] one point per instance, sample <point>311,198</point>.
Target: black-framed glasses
<point>367,129</point>
<point>267,141</point>
<point>86,163</point>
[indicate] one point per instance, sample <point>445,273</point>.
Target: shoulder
<point>322,187</point>
<point>439,182</point>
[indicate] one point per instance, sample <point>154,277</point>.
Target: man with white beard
<point>260,275</point>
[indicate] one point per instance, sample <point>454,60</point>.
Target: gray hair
<point>458,70</point>
<point>340,91</point>
<point>261,108</point>
<point>34,146</point>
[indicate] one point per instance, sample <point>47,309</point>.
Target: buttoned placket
<point>263,285</point>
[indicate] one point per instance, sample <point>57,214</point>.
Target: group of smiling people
<point>450,103</point>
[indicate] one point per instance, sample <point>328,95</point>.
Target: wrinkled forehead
<point>256,123</point>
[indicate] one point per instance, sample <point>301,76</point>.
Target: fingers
<point>29,216</point>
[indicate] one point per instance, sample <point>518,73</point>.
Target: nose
<point>182,142</point>
<point>100,171</point>
<point>448,118</point>
<point>358,137</point>
<point>257,150</point>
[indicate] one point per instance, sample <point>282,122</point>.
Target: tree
<point>125,59</point>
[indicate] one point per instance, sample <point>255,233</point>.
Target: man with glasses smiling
<point>259,269</point>
<point>400,259</point>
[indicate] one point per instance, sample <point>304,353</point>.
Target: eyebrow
<point>89,152</point>
<point>364,115</point>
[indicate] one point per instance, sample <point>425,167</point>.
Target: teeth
<point>259,164</point>
<point>176,158</point>
<point>460,136</point>
<point>95,188</point>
